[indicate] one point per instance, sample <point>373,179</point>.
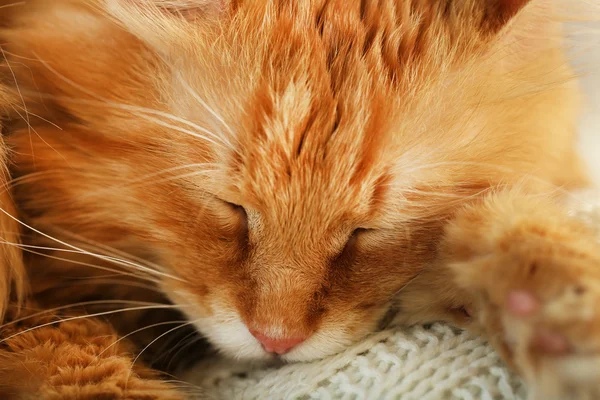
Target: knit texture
<point>436,362</point>
<point>411,363</point>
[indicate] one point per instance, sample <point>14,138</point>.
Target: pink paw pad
<point>550,343</point>
<point>522,303</point>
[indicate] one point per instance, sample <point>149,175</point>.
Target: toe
<point>522,303</point>
<point>550,343</point>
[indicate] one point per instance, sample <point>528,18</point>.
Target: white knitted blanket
<point>415,363</point>
<point>420,363</point>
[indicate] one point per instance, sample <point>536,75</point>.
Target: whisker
<point>137,331</point>
<point>117,261</point>
<point>87,316</point>
<point>183,385</point>
<point>154,341</point>
<point>105,281</point>
<point>445,194</point>
<point>18,3</point>
<point>140,109</point>
<point>38,174</point>
<point>147,113</point>
<point>142,179</point>
<point>45,120</point>
<point>527,176</point>
<point>414,278</point>
<point>195,95</point>
<point>143,306</point>
<point>26,118</point>
<point>193,340</point>
<point>182,176</point>
<point>100,247</point>
<point>14,77</point>
<point>477,164</point>
<point>28,248</point>
<point>182,130</point>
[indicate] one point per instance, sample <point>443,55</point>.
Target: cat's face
<point>287,171</point>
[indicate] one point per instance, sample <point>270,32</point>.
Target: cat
<point>291,176</point>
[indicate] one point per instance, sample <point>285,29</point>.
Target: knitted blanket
<point>420,363</point>
<point>417,363</point>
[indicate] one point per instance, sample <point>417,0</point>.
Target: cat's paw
<point>529,274</point>
<point>538,299</point>
<point>554,342</point>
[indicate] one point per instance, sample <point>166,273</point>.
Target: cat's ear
<point>526,27</point>
<point>501,12</point>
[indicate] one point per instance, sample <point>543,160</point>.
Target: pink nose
<point>277,346</point>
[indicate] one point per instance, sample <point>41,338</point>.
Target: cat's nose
<point>277,346</point>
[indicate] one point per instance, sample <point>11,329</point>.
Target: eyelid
<point>233,205</point>
<point>229,203</point>
<point>237,207</point>
<point>351,241</point>
<point>242,218</point>
<point>356,234</point>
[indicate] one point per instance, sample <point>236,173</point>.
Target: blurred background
<point>586,57</point>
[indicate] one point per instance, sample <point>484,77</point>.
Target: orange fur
<point>280,166</point>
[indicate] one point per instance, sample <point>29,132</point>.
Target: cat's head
<point>284,168</point>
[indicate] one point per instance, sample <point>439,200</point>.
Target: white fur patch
<point>225,330</point>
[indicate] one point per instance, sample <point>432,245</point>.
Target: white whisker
<point>136,331</point>
<point>99,247</point>
<point>18,3</point>
<point>154,341</point>
<point>192,338</point>
<point>27,248</point>
<point>116,261</point>
<point>74,305</point>
<point>195,95</point>
<point>182,130</point>
<point>141,109</point>
<point>119,282</point>
<point>100,314</point>
<point>182,176</point>
<point>26,118</point>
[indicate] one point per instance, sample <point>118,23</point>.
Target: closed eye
<point>351,243</point>
<point>236,207</point>
<point>241,211</point>
<point>241,217</point>
<point>359,231</point>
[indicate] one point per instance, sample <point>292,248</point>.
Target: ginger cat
<point>292,176</point>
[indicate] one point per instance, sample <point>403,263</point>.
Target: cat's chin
<point>225,330</point>
<point>229,335</point>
